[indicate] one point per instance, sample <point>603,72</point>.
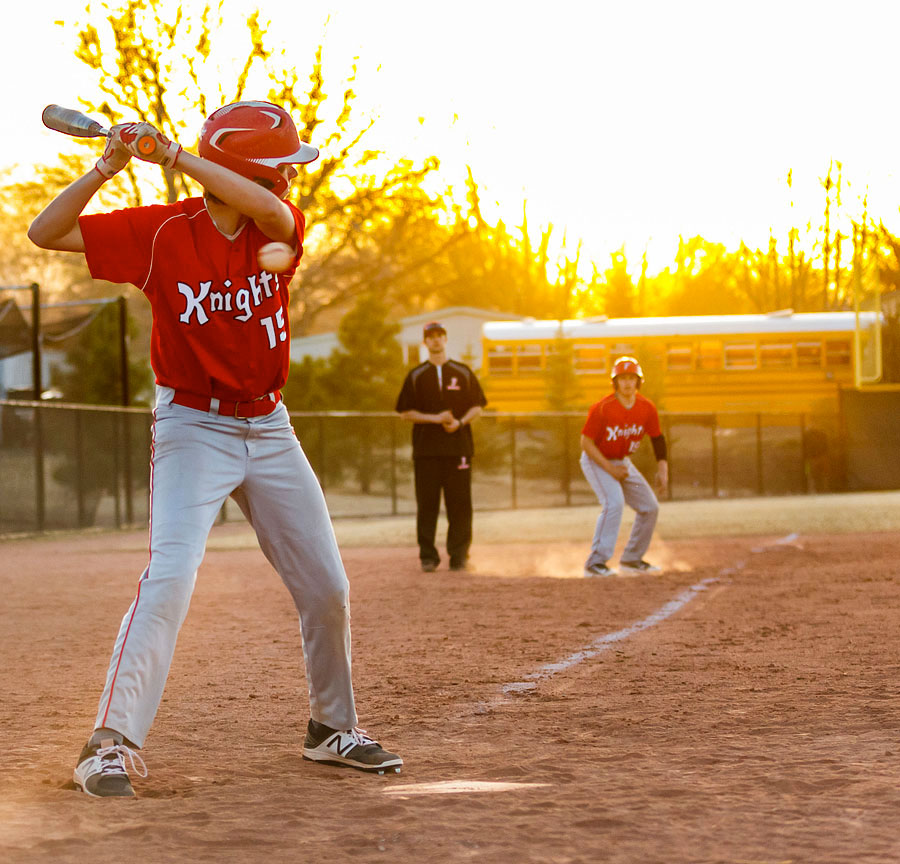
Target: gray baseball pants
<point>199,459</point>
<point>613,495</point>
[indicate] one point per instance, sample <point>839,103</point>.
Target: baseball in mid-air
<point>275,257</point>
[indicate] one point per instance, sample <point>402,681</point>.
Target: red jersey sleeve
<point>118,245</point>
<point>595,424</point>
<point>300,227</point>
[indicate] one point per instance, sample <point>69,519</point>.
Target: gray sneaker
<point>599,571</point>
<point>350,747</point>
<point>101,772</point>
<point>639,567</point>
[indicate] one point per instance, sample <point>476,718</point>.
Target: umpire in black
<point>442,397</point>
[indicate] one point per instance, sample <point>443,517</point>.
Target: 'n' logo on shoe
<point>335,744</point>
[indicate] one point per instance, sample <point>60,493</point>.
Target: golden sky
<point>619,122</point>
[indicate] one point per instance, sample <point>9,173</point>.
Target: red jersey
<point>616,430</point>
<point>220,322</point>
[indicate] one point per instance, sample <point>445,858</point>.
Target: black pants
<point>453,475</point>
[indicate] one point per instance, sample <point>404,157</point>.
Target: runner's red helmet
<point>627,366</point>
<point>254,139</point>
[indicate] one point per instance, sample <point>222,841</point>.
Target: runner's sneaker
<point>101,769</point>
<point>639,567</point>
<point>351,747</point>
<point>598,571</point>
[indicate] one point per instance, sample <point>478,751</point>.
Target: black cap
<point>433,326</point>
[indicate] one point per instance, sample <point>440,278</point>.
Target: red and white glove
<point>115,156</point>
<point>147,143</point>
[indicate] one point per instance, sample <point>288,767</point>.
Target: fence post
<point>804,455</point>
<point>715,457</point>
<point>320,446</point>
<point>667,426</point>
<point>40,491</point>
<point>117,470</point>
<point>36,364</point>
<point>37,383</point>
<point>79,467</point>
<point>393,422</point>
<point>124,385</point>
<point>126,448</point>
<point>123,351</point>
<point>512,458</point>
<point>760,483</point>
<point>567,474</point>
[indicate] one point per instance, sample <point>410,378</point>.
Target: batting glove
<point>115,157</point>
<point>149,144</point>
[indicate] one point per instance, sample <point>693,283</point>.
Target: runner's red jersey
<point>220,322</point>
<point>616,430</point>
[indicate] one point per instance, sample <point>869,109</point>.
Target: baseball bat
<point>72,122</point>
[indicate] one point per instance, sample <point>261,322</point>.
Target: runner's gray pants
<point>613,495</point>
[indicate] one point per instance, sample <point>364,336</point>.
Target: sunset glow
<point>618,123</point>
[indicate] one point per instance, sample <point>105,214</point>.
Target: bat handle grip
<point>146,145</point>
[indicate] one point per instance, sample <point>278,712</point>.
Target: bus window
<point>740,355</point>
<point>620,349</point>
<point>679,358</point>
<point>528,358</point>
<point>710,355</point>
<point>499,360</point>
<point>837,353</point>
<point>809,354</point>
<point>776,355</point>
<point>590,359</point>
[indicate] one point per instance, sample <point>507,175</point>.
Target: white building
<point>462,323</point>
<point>17,372</point>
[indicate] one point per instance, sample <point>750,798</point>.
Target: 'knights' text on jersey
<point>616,430</point>
<point>220,322</point>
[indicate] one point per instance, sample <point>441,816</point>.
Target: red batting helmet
<point>254,139</point>
<point>627,366</point>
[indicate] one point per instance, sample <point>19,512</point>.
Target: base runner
<point>613,430</point>
<point>220,351</point>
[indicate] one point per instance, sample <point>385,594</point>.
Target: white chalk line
<point>600,644</point>
<point>603,643</point>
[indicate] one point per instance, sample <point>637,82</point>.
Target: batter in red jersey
<point>220,351</point>
<point>613,431</point>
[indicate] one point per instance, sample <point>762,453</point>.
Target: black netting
<point>65,467</point>
<point>80,348</point>
<point>59,325</point>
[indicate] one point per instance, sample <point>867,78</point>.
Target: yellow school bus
<point>783,362</point>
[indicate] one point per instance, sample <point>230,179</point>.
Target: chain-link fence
<point>75,466</point>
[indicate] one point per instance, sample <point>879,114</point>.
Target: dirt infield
<point>743,707</point>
